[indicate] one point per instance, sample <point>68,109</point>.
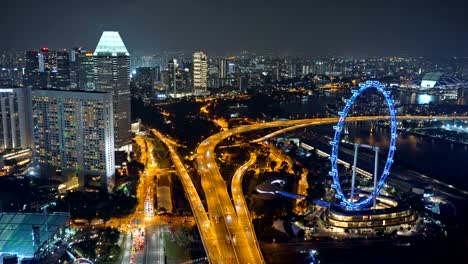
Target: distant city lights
<point>458,128</point>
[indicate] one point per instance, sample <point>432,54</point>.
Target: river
<point>437,159</point>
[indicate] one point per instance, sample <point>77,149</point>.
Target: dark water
<point>438,159</point>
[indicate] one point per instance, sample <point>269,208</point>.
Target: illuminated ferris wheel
<point>362,203</point>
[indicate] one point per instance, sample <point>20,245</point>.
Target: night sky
<point>310,27</point>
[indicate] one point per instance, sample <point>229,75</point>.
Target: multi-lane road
<point>226,230</point>
<point>216,252</point>
<point>219,203</point>
<point>238,197</point>
<point>153,248</point>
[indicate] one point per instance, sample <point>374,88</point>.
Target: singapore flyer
<point>364,202</point>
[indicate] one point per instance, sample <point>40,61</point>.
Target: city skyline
<point>361,28</point>
<point>261,132</point>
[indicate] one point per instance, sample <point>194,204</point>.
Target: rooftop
<point>441,80</point>
<point>111,44</point>
<point>16,230</point>
<point>432,76</point>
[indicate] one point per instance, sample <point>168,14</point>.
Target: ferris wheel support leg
<point>353,179</point>
<point>376,165</point>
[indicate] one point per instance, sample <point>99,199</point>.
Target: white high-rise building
<point>200,71</point>
<point>112,75</point>
<point>15,118</point>
<point>74,134</point>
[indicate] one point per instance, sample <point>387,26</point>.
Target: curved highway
<point>220,207</point>
<point>215,253</point>
<point>238,198</point>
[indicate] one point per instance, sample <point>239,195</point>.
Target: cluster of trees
<point>100,247</point>
<point>317,176</point>
<point>96,205</point>
<point>184,117</point>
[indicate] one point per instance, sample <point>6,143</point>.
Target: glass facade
<point>15,118</point>
<point>112,75</point>
<point>342,218</point>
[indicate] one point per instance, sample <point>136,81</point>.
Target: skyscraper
<point>10,77</point>
<point>47,69</point>
<point>231,69</point>
<point>15,118</point>
<point>223,72</point>
<point>157,72</point>
<point>185,78</point>
<point>112,75</point>
<point>200,71</point>
<point>145,79</point>
<point>47,60</point>
<point>33,78</point>
<point>222,68</point>
<point>74,68</point>
<point>86,64</point>
<point>74,134</point>
<point>172,68</point>
<point>60,75</point>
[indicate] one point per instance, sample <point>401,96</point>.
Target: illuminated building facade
<point>15,118</point>
<point>390,213</point>
<point>112,74</point>
<point>74,134</point>
<point>33,78</point>
<point>47,69</point>
<point>10,77</point>
<point>200,71</point>
<point>365,212</point>
<point>145,79</point>
<point>86,64</point>
<point>60,74</point>
<point>222,69</point>
<point>173,71</point>
<point>440,80</point>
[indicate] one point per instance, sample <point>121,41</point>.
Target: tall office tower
<point>145,80</point>
<point>173,68</point>
<point>60,75</point>
<point>10,77</point>
<point>213,77</point>
<point>276,72</point>
<point>113,75</point>
<point>242,81</point>
<point>33,78</point>
<point>47,60</point>
<point>145,76</point>
<point>79,71</point>
<point>224,72</point>
<point>47,69</point>
<point>200,71</point>
<point>86,71</point>
<point>74,134</point>
<point>306,69</point>
<point>4,74</point>
<point>157,72</point>
<point>184,78</point>
<point>222,69</point>
<point>15,118</point>
<point>164,79</point>
<point>231,67</point>
<point>74,68</point>
<point>292,70</point>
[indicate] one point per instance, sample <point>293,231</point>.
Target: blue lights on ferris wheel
<point>336,140</point>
